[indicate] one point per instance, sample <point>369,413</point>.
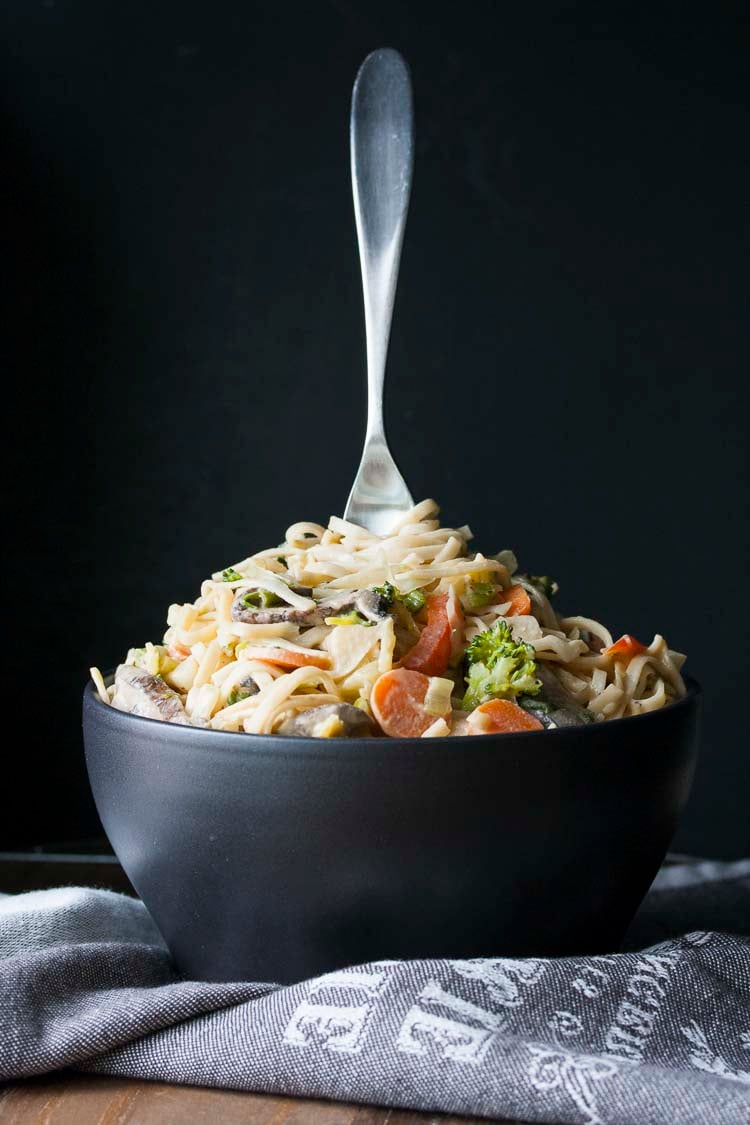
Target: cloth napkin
<point>657,1034</point>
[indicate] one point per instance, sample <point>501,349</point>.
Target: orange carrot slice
<point>503,716</point>
<point>286,657</point>
<point>397,703</point>
<point>432,651</point>
<point>626,647</point>
<point>520,602</point>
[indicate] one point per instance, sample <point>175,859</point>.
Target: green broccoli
<point>387,592</point>
<point>414,600</point>
<point>499,667</point>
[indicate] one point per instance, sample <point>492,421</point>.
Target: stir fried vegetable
<point>499,667</point>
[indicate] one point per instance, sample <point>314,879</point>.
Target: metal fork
<point>382,146</point>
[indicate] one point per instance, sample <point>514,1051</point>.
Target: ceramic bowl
<point>276,859</point>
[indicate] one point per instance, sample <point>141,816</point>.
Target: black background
<point>184,328</point>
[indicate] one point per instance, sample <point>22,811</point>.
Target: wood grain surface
<point>75,1099</point>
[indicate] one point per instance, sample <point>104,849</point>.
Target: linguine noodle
<point>290,629</point>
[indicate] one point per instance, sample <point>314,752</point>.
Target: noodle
<point>286,631</point>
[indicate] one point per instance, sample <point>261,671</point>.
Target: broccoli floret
<point>387,592</point>
<point>230,575</point>
<point>499,667</point>
<point>414,600</point>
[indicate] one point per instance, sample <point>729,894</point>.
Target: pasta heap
<point>342,632</point>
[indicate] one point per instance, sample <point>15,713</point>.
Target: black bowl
<point>270,858</point>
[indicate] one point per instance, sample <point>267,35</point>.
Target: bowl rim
<point>178,731</point>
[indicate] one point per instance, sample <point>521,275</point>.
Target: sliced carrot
<point>432,651</point>
<point>502,716</point>
<point>286,657</point>
<point>520,602</point>
<point>178,651</point>
<point>397,703</point>
<point>626,647</point>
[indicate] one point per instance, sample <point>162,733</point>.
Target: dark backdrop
<point>184,326</point>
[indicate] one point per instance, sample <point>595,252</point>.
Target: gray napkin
<point>656,1036</point>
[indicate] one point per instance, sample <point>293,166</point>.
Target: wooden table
<point>68,1098</point>
<point>74,1099</point>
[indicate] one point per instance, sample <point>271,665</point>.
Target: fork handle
<point>382,152</point>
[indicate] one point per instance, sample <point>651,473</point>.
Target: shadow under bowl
<point>276,859</point>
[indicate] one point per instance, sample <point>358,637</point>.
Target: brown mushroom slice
<point>406,630</point>
<point>560,708</point>
<point>366,603</point>
<point>275,614</point>
<point>371,606</point>
<point>140,693</point>
<point>332,720</point>
<point>249,684</point>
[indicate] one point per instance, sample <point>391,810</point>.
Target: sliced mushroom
<point>558,707</point>
<point>373,607</point>
<point>274,614</point>
<point>140,693</point>
<point>249,685</point>
<point>332,720</point>
<point>405,628</point>
<point>370,605</point>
